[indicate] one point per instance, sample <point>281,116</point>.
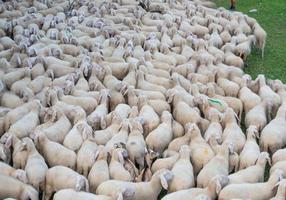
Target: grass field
<point>271,14</point>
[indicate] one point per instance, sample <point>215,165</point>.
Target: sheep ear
<point>171,97</point>
<point>220,118</point>
<point>8,142</point>
<point>164,182</point>
<point>130,127</point>
<point>84,134</point>
<point>120,157</point>
<point>231,148</point>
<point>102,123</point>
<point>54,115</point>
<point>96,154</point>
<point>78,185</point>
<point>23,146</point>
<point>257,134</point>
<point>218,187</point>
<point>268,160</point>
<point>119,196</point>
<point>79,127</point>
<point>275,188</point>
<point>120,125</point>
<point>21,175</point>
<point>236,168</point>
<point>118,86</point>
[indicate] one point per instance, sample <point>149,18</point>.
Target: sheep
<point>36,167</point>
<point>77,135</point>
<point>18,174</point>
<point>60,177</point>
<point>164,130</point>
<point>249,98</point>
<point>183,171</point>
<point>101,137</point>
<point>266,92</point>
<point>5,153</point>
<point>18,191</point>
<point>215,128</point>
<point>97,118</point>
<point>218,165</point>
<point>212,190</point>
<point>187,97</point>
<point>99,172</point>
<point>230,88</point>
<point>87,103</point>
<point>116,166</point>
<point>201,152</point>
<point>130,78</point>
<point>166,83</point>
<point>183,113</point>
<point>86,157</point>
<point>278,156</point>
<point>11,100</point>
<point>278,165</point>
<point>49,149</point>
<point>260,35</point>
<point>146,85</point>
<point>232,132</point>
<point>251,189</point>
<point>19,155</point>
<point>176,143</point>
<point>251,174</point>
<point>58,126</point>
<point>280,191</point>
<point>150,117</point>
<point>165,163</point>
<point>250,151</point>
<point>259,115</point>
<point>160,179</point>
<point>243,49</point>
<point>121,137</point>
<point>270,142</point>
<point>66,194</point>
<point>122,110</point>
<point>231,59</point>
<point>135,143</point>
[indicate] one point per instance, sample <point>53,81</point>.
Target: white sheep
<point>252,190</point>
<point>159,180</point>
<point>183,171</point>
<point>60,177</point>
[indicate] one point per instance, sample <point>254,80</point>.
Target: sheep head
<point>165,177</point>
<point>21,175</point>
<point>134,112</point>
<point>252,132</point>
<point>263,158</point>
<point>5,153</point>
<point>127,193</point>
<point>166,117</point>
<point>100,153</point>
<point>192,129</point>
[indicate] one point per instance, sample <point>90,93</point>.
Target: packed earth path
<point>129,100</point>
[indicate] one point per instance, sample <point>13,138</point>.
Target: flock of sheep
<point>136,101</point>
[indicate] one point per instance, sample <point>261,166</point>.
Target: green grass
<point>271,15</point>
